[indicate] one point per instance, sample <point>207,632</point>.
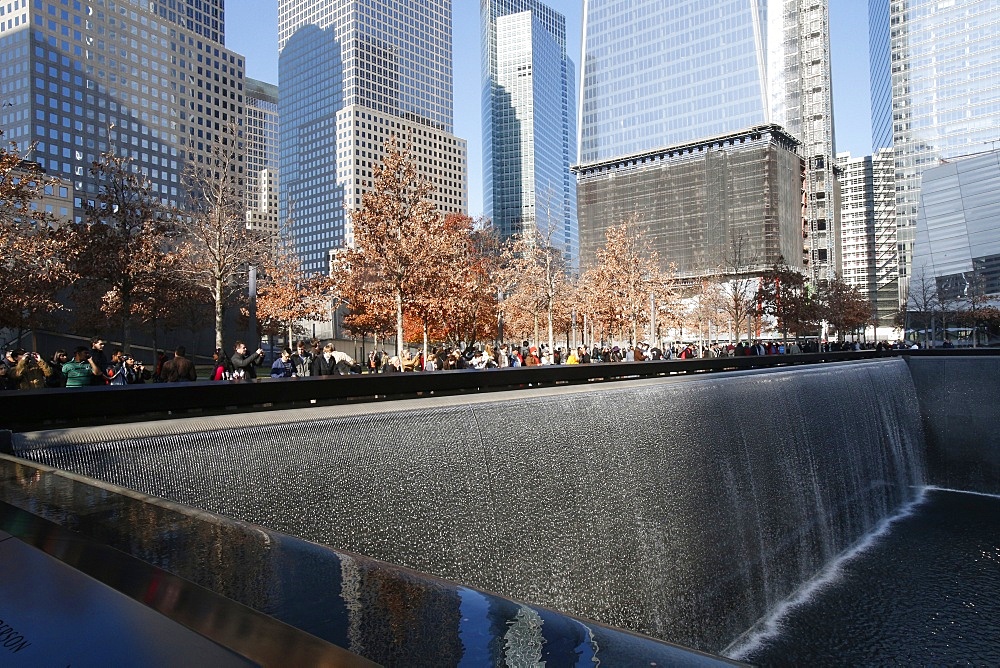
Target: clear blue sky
<point>251,29</point>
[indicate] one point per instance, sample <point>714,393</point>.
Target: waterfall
<point>685,508</point>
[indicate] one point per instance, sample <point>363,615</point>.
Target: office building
<point>944,101</point>
<point>78,77</point>
<point>658,75</point>
<point>956,254</point>
<point>529,124</point>
<point>733,202</point>
<point>261,137</point>
<point>868,203</point>
<point>354,73</point>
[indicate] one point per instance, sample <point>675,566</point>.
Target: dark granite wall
<point>682,508</point>
<point>960,404</point>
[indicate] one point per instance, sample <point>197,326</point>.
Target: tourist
<point>81,370</point>
<point>302,359</point>
<point>31,372</point>
<point>283,367</point>
<point>244,366</point>
<point>57,379</point>
<point>180,368</point>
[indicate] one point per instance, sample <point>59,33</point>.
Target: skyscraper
<point>529,123</point>
<point>78,77</point>
<point>657,75</point>
<point>868,203</point>
<point>261,135</point>
<point>354,73</point>
<point>944,99</point>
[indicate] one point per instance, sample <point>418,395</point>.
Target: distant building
<point>354,73</point>
<point>657,75</point>
<point>956,253</point>
<point>529,123</point>
<point>934,94</point>
<point>261,137</point>
<point>702,199</point>
<point>56,198</point>
<point>868,224</point>
<point>153,79</point>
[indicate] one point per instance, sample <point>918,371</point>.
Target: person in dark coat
<point>245,366</point>
<point>179,368</point>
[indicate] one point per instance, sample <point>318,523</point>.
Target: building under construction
<point>733,203</point>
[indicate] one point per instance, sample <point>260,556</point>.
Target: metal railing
<point>57,408</point>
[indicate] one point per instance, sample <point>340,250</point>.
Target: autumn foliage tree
<point>784,295</point>
<point>396,259</point>
<point>122,255</point>
<point>32,252</point>
<point>217,249</point>
<point>625,275</point>
<point>287,295</point>
<point>469,297</point>
<point>844,306</point>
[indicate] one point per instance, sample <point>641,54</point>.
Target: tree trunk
<point>218,313</point>
<point>425,344</point>
<point>399,323</point>
<point>127,333</point>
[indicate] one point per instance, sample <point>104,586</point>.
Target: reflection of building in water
<point>697,200</point>
<point>352,74</point>
<point>957,248</point>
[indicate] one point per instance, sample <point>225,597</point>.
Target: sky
<point>251,30</point>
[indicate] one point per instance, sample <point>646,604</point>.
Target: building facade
<point>529,124</point>
<point>261,136</point>
<point>354,72</point>
<point>956,254</point>
<point>80,77</point>
<point>703,201</point>
<point>868,204</point>
<point>657,75</point>
<point>944,101</point>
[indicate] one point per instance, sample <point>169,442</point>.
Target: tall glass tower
<point>353,73</point>
<point>151,79</point>
<point>657,75</point>
<point>945,101</point>
<point>529,123</point>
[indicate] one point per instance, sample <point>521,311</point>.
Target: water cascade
<point>683,508</point>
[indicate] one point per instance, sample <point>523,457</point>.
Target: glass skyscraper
<point>146,77</point>
<point>945,102</point>
<point>529,124</point>
<point>657,75</point>
<point>352,73</point>
<point>261,134</point>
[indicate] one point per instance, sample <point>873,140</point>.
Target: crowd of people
<point>20,369</point>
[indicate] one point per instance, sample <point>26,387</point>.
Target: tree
<point>396,232</point>
<point>122,257</point>
<point>626,275</point>
<point>217,249</point>
<point>739,283</point>
<point>922,302</point>
<point>33,252</point>
<point>286,295</point>
<point>469,299</point>
<point>536,270</point>
<point>784,295</point>
<point>843,306</point>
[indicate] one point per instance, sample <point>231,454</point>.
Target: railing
<point>48,409</point>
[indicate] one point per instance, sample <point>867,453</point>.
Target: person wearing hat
<point>533,359</point>
<point>9,363</point>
